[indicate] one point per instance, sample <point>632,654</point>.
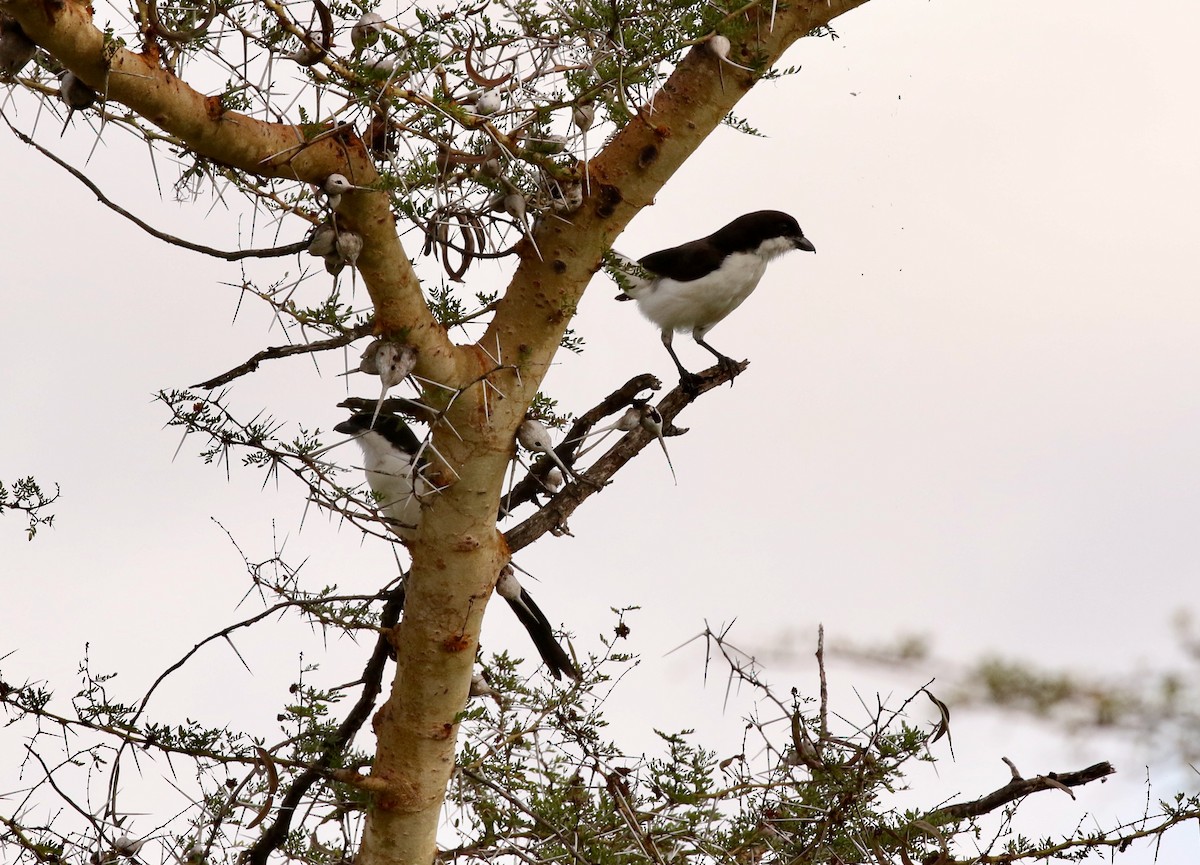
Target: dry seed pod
<point>366,30</point>
<point>349,245</point>
<point>16,49</point>
<point>583,116</point>
<point>322,240</point>
<point>75,93</point>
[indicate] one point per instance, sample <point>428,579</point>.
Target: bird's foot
<point>690,382</point>
<point>729,367</point>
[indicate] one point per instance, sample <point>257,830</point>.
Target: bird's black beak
<point>805,244</point>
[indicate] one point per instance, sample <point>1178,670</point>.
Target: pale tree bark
<point>458,552</point>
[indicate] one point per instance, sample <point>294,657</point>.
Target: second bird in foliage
<point>393,469</point>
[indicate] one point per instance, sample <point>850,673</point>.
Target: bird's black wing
<point>556,659</point>
<point>686,262</point>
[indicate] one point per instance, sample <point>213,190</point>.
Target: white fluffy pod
<point>488,102</point>
<point>652,422</point>
<point>366,30</point>
<point>337,185</point>
<point>721,46</point>
<point>583,116</point>
<point>548,145</point>
<point>535,438</point>
<point>514,205</point>
<point>74,93</point>
<point>323,240</point>
<point>349,245</point>
<point>393,362</point>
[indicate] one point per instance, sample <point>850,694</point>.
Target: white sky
<point>972,415</point>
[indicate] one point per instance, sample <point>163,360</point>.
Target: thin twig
<point>235,255</point>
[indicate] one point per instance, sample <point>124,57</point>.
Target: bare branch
<point>235,255</point>
<point>1017,789</point>
<point>558,509</point>
<point>276,352</point>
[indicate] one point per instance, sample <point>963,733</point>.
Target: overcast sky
<point>972,415</point>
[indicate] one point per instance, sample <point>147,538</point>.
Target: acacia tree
<point>466,130</point>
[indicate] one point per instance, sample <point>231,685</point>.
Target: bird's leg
<point>688,380</point>
<point>728,365</point>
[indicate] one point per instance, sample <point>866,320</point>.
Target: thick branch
<point>268,150</point>
<point>1016,789</point>
<point>531,485</point>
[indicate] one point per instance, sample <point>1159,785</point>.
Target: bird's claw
<point>729,367</point>
<point>690,383</point>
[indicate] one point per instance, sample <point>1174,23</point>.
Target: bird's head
<point>388,426</point>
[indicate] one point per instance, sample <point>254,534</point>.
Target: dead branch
<point>1017,789</point>
<point>559,508</point>
<point>234,255</point>
<point>276,352</point>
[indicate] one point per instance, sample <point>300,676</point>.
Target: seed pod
<point>583,116</point>
<point>366,30</point>
<point>75,93</point>
<point>321,241</point>
<point>349,245</point>
<point>548,145</point>
<point>16,49</point>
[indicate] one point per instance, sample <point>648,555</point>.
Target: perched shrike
<point>693,286</point>
<point>389,450</point>
<point>388,453</point>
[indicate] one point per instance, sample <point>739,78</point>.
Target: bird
<point>557,661</point>
<point>390,451</point>
<point>694,286</point>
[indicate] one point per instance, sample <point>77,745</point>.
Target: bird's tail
<point>626,273</point>
<point>555,658</point>
<point>540,631</point>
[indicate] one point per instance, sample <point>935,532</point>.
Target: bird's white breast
<point>701,303</point>
<point>390,476</point>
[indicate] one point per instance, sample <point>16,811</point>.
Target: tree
<point>445,185</point>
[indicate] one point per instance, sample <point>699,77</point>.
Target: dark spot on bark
<point>560,266</point>
<point>648,156</point>
<point>607,198</point>
<point>457,643</point>
<point>213,107</point>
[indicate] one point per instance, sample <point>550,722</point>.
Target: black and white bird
<point>390,459</point>
<point>389,453</point>
<point>694,286</point>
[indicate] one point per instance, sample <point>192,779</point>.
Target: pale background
<point>972,415</point>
